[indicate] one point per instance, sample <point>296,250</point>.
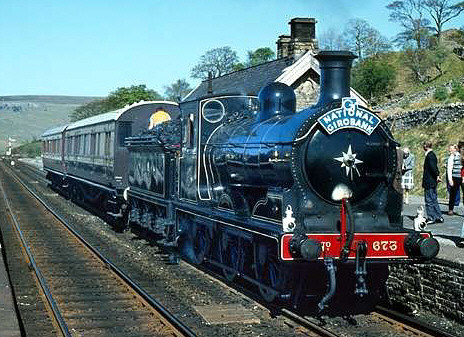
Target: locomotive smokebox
<point>335,70</point>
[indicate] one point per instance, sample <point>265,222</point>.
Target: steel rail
<point>308,324</point>
<point>171,318</point>
<point>33,170</point>
<point>417,324</point>
<point>54,307</point>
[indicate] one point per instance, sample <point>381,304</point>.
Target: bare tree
<point>441,12</point>
<point>363,39</point>
<point>218,61</point>
<point>331,40</point>
<point>356,35</point>
<point>376,43</point>
<point>410,15</point>
<point>177,90</point>
<point>417,60</point>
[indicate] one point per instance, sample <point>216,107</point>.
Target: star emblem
<point>349,162</point>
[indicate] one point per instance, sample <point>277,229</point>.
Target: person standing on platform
<point>461,153</point>
<point>457,199</point>
<point>453,170</point>
<point>430,180</point>
<point>407,180</point>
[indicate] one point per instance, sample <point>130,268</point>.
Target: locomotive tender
<point>300,204</point>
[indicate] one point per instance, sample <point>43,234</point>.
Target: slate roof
<point>243,82</point>
<point>249,81</point>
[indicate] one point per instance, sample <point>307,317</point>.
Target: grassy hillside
<point>79,100</point>
<point>441,135</point>
<point>25,118</point>
<point>407,93</point>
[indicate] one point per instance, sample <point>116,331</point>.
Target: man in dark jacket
<point>430,179</point>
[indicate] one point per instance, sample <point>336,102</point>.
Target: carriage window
<point>93,142</point>
<point>107,144</point>
<point>69,145</point>
<point>125,130</point>
<point>97,144</point>
<point>84,145</point>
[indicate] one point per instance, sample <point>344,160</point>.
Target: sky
<point>93,47</point>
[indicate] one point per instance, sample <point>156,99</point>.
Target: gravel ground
<point>179,287</point>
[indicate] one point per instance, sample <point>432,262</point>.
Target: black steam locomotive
<point>300,204</point>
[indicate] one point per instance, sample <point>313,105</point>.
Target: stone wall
<point>306,94</point>
<point>436,287</point>
<point>435,114</point>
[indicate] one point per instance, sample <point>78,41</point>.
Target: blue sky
<point>92,47</point>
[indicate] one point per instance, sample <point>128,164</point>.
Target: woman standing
<point>407,180</point>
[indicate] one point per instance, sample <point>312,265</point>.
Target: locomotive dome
<point>276,99</point>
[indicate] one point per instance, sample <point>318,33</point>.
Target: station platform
<point>447,233</point>
<point>9,326</point>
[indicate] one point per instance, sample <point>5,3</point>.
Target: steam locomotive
<point>301,205</point>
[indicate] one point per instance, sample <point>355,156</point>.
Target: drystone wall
<point>435,114</point>
<point>437,287</point>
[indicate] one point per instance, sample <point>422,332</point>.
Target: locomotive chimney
<point>335,70</point>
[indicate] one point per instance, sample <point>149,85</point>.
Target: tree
<point>364,40</point>
<point>441,12</point>
<point>135,93</point>
<point>259,56</point>
<point>115,100</point>
<point>331,40</point>
<point>418,61</point>
<point>373,77</point>
<point>376,43</point>
<point>218,61</point>
<point>426,64</point>
<point>177,90</point>
<point>356,36</point>
<point>438,56</point>
<point>410,15</point>
<point>90,109</point>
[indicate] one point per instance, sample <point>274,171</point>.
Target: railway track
<point>86,293</point>
<point>382,323</point>
<point>36,174</point>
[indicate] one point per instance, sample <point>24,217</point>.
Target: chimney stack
<point>301,39</point>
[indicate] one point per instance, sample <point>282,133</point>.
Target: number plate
<point>383,245</point>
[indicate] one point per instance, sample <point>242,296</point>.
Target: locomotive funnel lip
<point>334,55</point>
